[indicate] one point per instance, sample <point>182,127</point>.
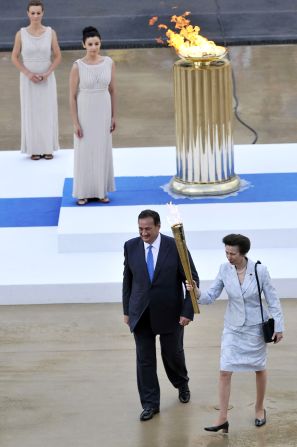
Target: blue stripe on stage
<point>38,212</point>
<point>30,212</point>
<point>147,191</point>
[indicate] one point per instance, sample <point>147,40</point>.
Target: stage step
<point>101,229</point>
<point>40,267</point>
<point>270,223</point>
<point>35,273</point>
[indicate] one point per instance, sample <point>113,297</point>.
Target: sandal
<point>35,157</point>
<point>82,202</point>
<point>104,200</point>
<point>48,156</point>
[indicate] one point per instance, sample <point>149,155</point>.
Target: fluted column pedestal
<point>204,129</point>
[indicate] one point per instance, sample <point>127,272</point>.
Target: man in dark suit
<point>154,303</point>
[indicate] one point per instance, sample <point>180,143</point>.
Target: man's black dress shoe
<point>184,393</point>
<point>260,422</point>
<point>148,413</point>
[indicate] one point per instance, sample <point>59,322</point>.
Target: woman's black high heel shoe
<point>260,422</point>
<point>224,427</point>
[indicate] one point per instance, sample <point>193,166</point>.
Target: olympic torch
<point>180,240</point>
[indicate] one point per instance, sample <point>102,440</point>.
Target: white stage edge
<point>39,264</point>
<point>95,229</point>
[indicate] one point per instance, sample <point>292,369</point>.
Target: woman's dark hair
<point>150,213</point>
<point>243,242</point>
<point>90,31</point>
<point>35,3</point>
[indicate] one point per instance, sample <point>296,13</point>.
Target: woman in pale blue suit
<point>242,347</point>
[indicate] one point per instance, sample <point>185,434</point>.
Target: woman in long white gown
<point>39,48</point>
<point>242,346</point>
<point>92,104</point>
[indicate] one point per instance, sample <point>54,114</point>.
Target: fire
<point>153,20</point>
<point>188,43</point>
<point>181,21</point>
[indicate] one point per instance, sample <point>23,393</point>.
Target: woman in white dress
<point>92,105</point>
<point>41,54</point>
<point>242,346</point>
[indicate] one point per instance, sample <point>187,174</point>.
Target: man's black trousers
<point>173,357</point>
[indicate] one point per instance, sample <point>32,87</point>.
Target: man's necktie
<point>150,262</point>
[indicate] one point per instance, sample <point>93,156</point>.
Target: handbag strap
<point>259,290</point>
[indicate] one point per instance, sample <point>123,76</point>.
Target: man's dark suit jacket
<point>164,295</point>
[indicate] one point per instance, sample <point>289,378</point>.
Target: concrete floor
<point>265,82</point>
<point>67,372</point>
<point>67,378</point>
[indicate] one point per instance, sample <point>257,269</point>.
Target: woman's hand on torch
<point>193,286</point>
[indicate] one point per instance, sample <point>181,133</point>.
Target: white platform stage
<point>81,259</point>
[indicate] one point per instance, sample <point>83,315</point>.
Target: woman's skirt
<point>243,349</point>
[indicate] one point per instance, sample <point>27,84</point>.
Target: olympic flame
<point>186,38</point>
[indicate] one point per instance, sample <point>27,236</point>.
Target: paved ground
<point>67,378</point>
<point>265,82</point>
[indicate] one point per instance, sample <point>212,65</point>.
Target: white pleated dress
<point>39,108</point>
<point>93,164</point>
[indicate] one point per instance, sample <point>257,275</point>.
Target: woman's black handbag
<point>268,326</point>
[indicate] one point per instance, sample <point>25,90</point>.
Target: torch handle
<point>193,295</point>
<point>180,240</point>
<point>183,254</point>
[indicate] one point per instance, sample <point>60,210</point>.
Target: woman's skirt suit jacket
<point>243,347</point>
